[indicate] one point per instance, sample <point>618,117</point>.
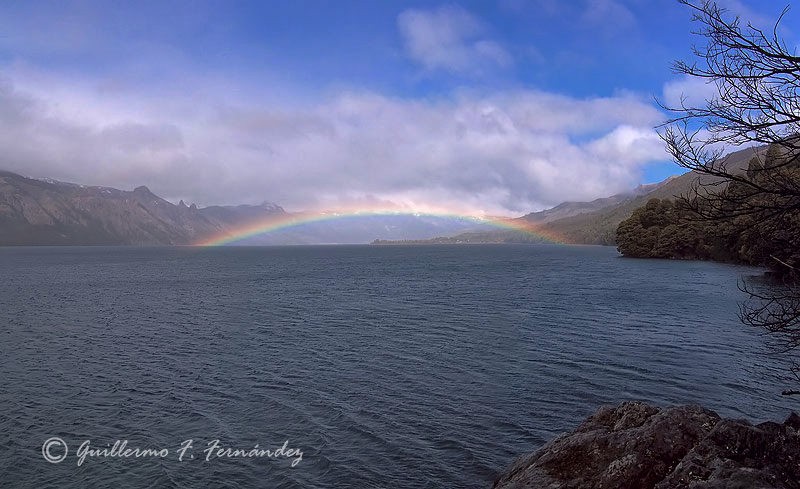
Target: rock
<point>635,445</point>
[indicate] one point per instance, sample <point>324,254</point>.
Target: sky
<point>498,108</point>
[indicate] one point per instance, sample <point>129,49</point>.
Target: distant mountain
<point>362,229</point>
<point>48,212</point>
<point>596,222</point>
<point>569,209</point>
<point>239,213</point>
<point>600,226</point>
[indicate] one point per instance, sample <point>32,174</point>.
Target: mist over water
<point>424,366</point>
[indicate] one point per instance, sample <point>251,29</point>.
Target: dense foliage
<point>744,227</point>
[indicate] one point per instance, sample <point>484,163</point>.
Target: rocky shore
<point>635,445</point>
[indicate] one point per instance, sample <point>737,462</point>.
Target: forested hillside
<point>749,228</point>
<point>600,226</point>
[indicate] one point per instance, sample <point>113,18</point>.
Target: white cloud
<point>688,91</point>
<point>747,14</point>
<point>450,39</point>
<point>507,153</point>
<point>692,92</point>
<point>609,14</point>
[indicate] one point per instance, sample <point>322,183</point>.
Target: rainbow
<point>289,220</point>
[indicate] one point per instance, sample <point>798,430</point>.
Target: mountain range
<point>596,222</point>
<point>49,212</point>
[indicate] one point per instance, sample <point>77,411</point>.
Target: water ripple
<point>389,366</point>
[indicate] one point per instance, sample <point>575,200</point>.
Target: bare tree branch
<point>756,104</point>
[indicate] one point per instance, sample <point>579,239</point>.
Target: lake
<point>387,366</point>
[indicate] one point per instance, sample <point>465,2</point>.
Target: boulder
<point>636,445</point>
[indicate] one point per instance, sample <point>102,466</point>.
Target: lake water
<point>387,366</point>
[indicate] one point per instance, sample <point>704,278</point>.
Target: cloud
<point>505,153</point>
<point>37,140</point>
<point>609,14</point>
<point>689,91</point>
<point>692,92</point>
<point>747,14</point>
<point>450,39</point>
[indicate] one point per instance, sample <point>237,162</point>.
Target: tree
<point>664,229</point>
<point>756,103</point>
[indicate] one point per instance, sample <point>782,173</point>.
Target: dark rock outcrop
<point>636,445</point>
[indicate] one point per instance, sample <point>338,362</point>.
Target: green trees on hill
<point>662,229</point>
<point>740,226</point>
<point>756,77</point>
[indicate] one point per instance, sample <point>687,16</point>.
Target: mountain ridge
<point>50,212</point>
<point>595,222</point>
<point>600,227</point>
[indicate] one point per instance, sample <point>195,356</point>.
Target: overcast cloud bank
<point>504,153</point>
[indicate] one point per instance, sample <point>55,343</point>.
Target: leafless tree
<point>756,104</point>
